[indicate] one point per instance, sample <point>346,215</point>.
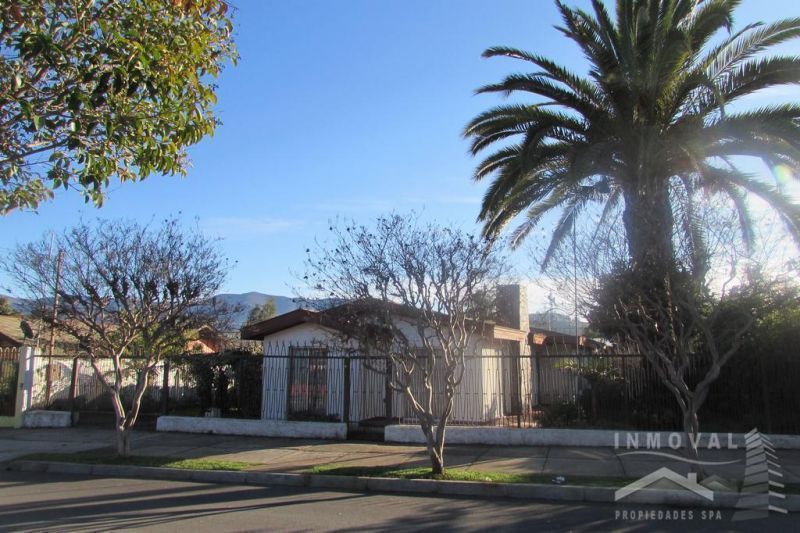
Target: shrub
<point>231,382</point>
<point>561,415</point>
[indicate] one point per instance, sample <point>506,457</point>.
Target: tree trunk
<point>123,437</point>
<point>435,449</point>
<point>123,441</point>
<point>691,429</point>
<point>437,463</point>
<point>648,223</point>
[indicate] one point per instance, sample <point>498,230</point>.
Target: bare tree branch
<point>415,295</point>
<point>126,289</point>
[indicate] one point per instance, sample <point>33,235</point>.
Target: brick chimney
<point>512,306</point>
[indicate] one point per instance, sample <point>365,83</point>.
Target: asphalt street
<point>47,502</point>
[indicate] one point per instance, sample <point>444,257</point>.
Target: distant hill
<point>249,300</point>
<point>20,305</point>
<point>246,300</point>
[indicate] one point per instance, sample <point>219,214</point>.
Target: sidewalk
<point>298,455</point>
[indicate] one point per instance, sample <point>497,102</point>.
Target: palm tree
<point>651,118</point>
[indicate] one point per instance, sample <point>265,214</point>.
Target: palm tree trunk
<point>648,223</point>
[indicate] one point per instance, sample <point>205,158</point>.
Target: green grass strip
<point>460,474</point>
<point>453,474</point>
<point>95,458</point>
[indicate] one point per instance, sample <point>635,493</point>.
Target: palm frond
<point>747,43</point>
<point>787,210</point>
<point>708,19</point>
<point>576,204</point>
<point>734,193</point>
<point>653,106</point>
<point>538,201</point>
<point>542,85</point>
<point>556,72</point>
<point>757,74</point>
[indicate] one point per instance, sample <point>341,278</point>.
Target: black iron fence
<point>226,384</point>
<point>624,391</point>
<point>615,391</point>
<point>9,369</point>
<point>193,385</point>
<point>318,384</point>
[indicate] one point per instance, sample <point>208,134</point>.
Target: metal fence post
<point>238,376</point>
<point>165,367</point>
<point>346,387</point>
<point>765,395</point>
<point>627,407</point>
<point>387,390</point>
<point>538,375</point>
<point>73,389</point>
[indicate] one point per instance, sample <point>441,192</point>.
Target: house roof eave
<point>260,330</point>
<point>505,333</point>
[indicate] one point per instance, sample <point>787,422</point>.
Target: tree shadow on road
<point>136,508</point>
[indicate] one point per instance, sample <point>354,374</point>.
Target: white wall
<point>259,428</point>
<point>491,368</point>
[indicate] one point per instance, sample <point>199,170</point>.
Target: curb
<point>518,491</point>
<point>603,438</point>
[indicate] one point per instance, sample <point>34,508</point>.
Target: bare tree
<point>687,338</point>
<point>124,288</point>
<point>415,295</point>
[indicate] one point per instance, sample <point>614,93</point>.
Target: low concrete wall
<point>258,428</point>
<point>46,419</point>
<point>569,437</point>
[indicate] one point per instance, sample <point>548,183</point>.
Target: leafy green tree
<point>776,308</point>
<point>622,288</point>
<point>5,307</point>
<point>262,312</point>
<point>651,122</point>
<point>92,89</point>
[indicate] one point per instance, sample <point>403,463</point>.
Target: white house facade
<point>310,373</point>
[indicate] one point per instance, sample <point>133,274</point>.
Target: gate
<point>9,369</point>
<point>308,383</point>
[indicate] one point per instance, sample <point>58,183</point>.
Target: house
<point>548,342</point>
<point>8,342</point>
<point>11,334</point>
<point>206,340</point>
<point>311,374</point>
<point>16,331</point>
<point>552,350</point>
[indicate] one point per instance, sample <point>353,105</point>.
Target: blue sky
<point>346,108</point>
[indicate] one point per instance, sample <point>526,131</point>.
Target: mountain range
<point>283,304</point>
<point>248,300</point>
<point>245,302</point>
